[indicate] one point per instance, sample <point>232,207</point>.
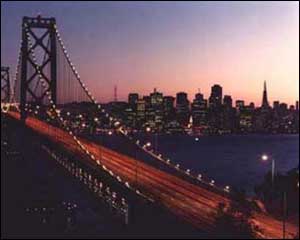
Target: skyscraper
<point>227,101</point>
<point>228,114</point>
<point>169,110</point>
<point>156,99</point>
<point>157,108</point>
<point>265,102</point>
<point>239,105</point>
<point>215,100</point>
<point>199,110</point>
<point>215,107</point>
<point>276,105</point>
<point>141,111</point>
<point>182,108</point>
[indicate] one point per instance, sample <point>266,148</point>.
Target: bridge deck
<point>185,200</point>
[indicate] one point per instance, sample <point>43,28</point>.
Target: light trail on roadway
<point>194,204</point>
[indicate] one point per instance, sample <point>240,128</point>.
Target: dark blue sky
<point>172,45</point>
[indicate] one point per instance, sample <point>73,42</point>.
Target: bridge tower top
<point>38,33</point>
<point>39,22</point>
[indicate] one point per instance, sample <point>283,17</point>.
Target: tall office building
<point>182,108</point>
<point>169,110</point>
<point>215,100</point>
<point>215,108</point>
<point>141,110</point>
<point>227,101</point>
<point>199,110</point>
<point>228,115</point>
<point>132,100</point>
<point>156,99</point>
<point>276,105</point>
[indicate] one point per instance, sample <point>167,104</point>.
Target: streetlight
<point>266,158</point>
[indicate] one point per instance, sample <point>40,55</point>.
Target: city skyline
<point>185,46</point>
<point>150,119</point>
<point>214,114</point>
<point>193,96</point>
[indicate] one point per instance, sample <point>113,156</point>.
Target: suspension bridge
<point>48,96</point>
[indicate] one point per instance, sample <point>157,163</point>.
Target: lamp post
<point>136,169</point>
<point>266,158</point>
<point>284,215</point>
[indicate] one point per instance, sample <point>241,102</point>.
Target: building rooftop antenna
<point>116,93</point>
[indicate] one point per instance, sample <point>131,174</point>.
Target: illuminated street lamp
<point>266,158</point>
<point>148,129</point>
<point>117,124</point>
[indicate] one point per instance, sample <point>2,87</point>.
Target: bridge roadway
<point>187,201</point>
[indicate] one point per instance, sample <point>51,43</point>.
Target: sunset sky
<point>179,46</point>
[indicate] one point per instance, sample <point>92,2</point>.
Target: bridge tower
<point>5,85</point>
<point>31,28</point>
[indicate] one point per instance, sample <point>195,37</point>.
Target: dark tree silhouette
<point>234,223</point>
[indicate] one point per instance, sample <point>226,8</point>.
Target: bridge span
<point>195,204</point>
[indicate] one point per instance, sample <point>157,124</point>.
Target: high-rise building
<point>246,118</point>
<point>228,115</point>
<point>264,116</point>
<point>252,106</point>
<point>155,113</point>
<point>283,107</point>
<point>227,101</point>
<point>239,104</point>
<point>156,99</point>
<point>132,100</point>
<point>141,110</point>
<point>168,103</point>
<point>265,102</point>
<point>215,100</point>
<point>182,108</point>
<point>199,111</point>
<point>276,105</point>
<point>215,108</point>
<point>169,110</point>
<point>199,97</point>
<point>147,100</point>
